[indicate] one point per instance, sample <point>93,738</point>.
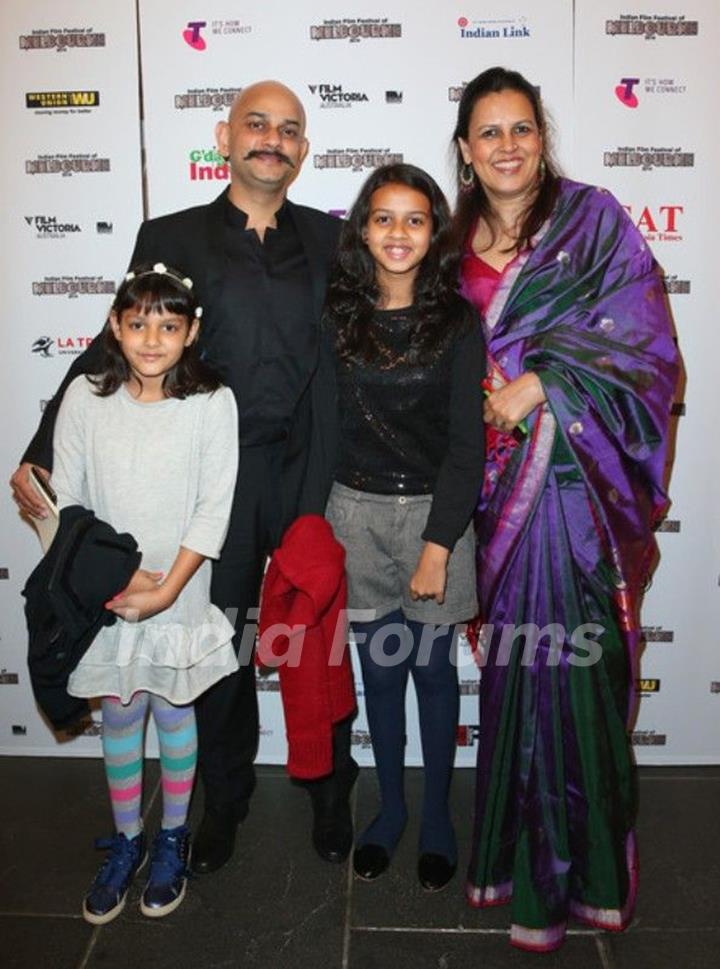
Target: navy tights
<point>425,651</point>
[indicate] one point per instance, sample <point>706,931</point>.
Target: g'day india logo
<point>217,99</point>
<point>62,39</point>
<point>631,90</point>
<point>651,26</point>
<point>334,96</point>
<point>357,159</point>
<point>355,30</point>
<point>503,27</point>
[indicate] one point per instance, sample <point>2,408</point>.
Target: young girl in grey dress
<point>150,445</point>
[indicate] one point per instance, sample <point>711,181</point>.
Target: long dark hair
<point>149,291</point>
<point>353,293</point>
<point>472,202</point>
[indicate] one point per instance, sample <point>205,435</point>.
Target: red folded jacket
<point>303,632</point>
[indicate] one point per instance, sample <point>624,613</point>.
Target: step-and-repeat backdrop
<point>109,111</point>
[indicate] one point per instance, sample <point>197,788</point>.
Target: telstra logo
<point>624,91</point>
<point>191,35</point>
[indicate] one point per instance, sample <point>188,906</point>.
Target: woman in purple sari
<point>582,371</point>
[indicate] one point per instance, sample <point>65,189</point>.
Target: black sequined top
<point>415,429</point>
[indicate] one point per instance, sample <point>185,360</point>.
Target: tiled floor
<point>277,906</point>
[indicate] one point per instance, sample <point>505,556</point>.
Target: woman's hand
<point>505,408</point>
<point>430,576</point>
<point>142,597</point>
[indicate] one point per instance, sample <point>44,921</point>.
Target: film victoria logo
<point>195,32</point>
<point>53,227</point>
<point>356,29</point>
<point>62,39</point>
<point>469,687</point>
<point>648,158</point>
<point>64,345</point>
<point>73,286</point>
<point>651,26</point>
<point>66,165</point>
<point>217,99</point>
<point>658,223</point>
<point>62,102</point>
<point>207,165</point>
<point>629,89</point>
<point>506,27</point>
<point>8,679</point>
<point>456,92</point>
<point>334,96</point>
<point>356,159</point>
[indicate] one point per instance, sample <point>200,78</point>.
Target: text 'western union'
<point>62,99</point>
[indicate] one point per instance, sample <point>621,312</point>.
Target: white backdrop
<point>629,93</point>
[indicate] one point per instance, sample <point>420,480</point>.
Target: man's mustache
<point>259,153</point>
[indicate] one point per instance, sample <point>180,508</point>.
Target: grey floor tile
<point>34,943</point>
<point>436,950</point>
<point>691,949</point>
<point>275,904</point>
<point>396,899</point>
<point>679,842</point>
<point>52,811</point>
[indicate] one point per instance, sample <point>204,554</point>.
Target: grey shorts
<point>381,536</point>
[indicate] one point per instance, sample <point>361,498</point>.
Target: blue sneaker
<point>168,876</point>
<point>106,898</point>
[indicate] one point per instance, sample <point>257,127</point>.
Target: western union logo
<point>647,686</point>
<point>62,99</point>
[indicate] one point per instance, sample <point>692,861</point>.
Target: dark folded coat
<point>87,564</point>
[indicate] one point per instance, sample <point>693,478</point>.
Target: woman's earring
<point>467,177</point>
<point>542,169</point>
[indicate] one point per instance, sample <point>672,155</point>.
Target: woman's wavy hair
<point>147,291</point>
<point>353,292</point>
<point>472,202</point>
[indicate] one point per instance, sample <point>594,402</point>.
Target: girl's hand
<point>134,597</point>
<point>135,606</point>
<point>430,576</point>
<point>505,408</point>
<point>143,581</point>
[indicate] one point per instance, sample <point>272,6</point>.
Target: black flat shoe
<point>214,843</point>
<point>370,861</point>
<point>434,871</point>
<point>332,832</point>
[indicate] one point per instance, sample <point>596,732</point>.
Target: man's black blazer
<point>192,241</point>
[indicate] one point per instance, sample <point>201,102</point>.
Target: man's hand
<point>24,494</point>
<point>430,576</point>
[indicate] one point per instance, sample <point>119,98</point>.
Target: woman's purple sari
<point>566,542</point>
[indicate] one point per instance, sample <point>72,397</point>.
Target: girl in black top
<point>410,362</point>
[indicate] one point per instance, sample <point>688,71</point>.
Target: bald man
<point>259,264</point>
